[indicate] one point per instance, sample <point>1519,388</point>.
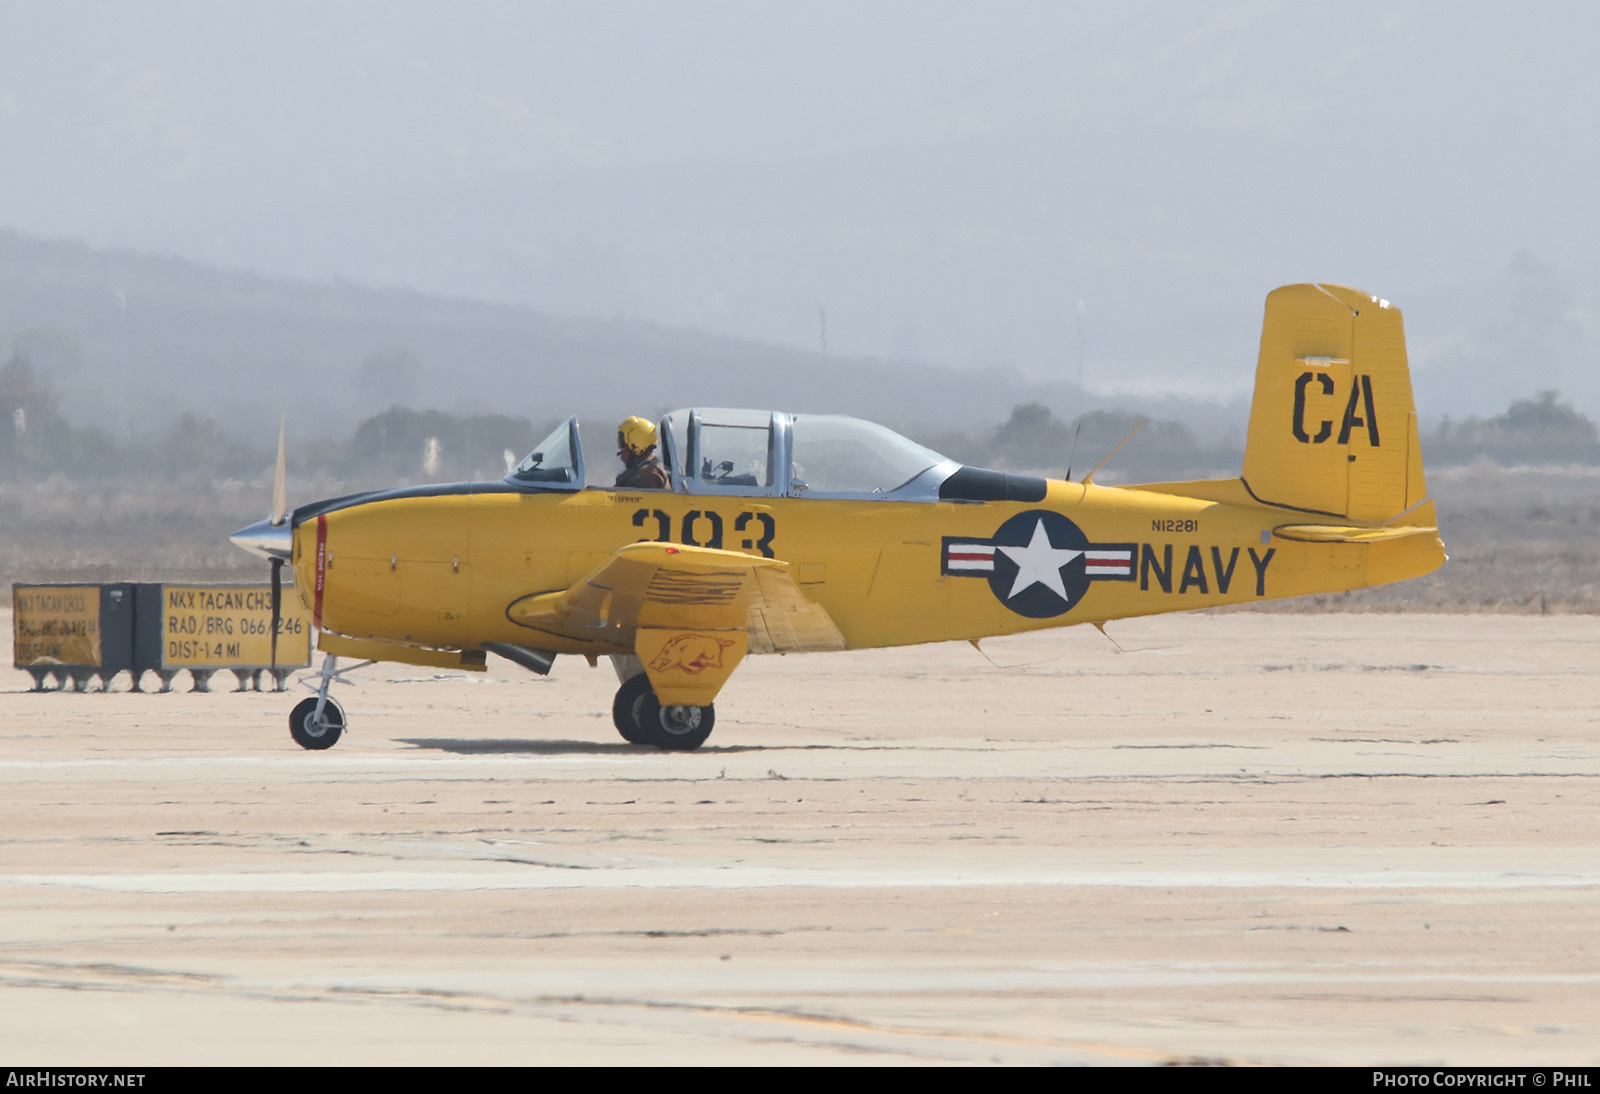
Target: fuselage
<point>446,567</point>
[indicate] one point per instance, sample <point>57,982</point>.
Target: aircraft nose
<point>266,539</point>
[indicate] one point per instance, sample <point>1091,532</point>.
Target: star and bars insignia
<point>1038,563</point>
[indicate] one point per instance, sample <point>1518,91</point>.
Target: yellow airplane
<point>786,533</point>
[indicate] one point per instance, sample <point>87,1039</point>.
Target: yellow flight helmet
<point>636,435</point>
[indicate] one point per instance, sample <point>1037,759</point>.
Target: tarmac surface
<point>1240,838</point>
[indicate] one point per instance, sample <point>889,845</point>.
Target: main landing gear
<point>642,720</point>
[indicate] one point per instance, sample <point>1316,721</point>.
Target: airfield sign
<point>75,632</point>
<point>229,626</point>
<point>57,625</point>
<point>72,631</point>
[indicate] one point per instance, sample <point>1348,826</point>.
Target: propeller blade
<point>277,607</point>
<point>280,484</point>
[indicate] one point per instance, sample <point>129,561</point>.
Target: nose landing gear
<point>318,722</point>
<point>313,729</point>
<point>642,720</point>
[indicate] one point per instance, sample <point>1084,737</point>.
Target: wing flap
<point>788,620</point>
<point>663,586</point>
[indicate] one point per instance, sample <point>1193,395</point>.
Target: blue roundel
<point>1039,564</point>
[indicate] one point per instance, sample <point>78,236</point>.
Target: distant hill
<point>130,342</point>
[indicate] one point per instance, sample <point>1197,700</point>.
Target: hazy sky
<point>951,179</point>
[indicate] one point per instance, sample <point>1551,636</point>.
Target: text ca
<point>1360,410</point>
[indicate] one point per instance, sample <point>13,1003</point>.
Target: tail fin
<point>1333,428</point>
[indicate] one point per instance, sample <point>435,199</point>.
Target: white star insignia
<point>1039,563</point>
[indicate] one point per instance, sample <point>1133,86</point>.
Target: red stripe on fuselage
<point>322,571</point>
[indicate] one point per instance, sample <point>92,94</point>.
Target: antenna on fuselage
<point>1090,476</point>
<point>1101,627</point>
<point>1082,307</point>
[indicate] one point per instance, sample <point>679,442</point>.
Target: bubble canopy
<point>755,452</point>
<point>760,453</point>
<point>834,455</point>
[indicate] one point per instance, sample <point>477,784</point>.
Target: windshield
<point>551,460</point>
<point>834,455</point>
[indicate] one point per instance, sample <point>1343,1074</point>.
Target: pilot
<point>636,446</point>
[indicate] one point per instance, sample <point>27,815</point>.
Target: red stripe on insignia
<point>322,571</point>
<point>971,552</point>
<point>1108,563</point>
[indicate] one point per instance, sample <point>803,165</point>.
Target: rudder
<point>1333,425</point>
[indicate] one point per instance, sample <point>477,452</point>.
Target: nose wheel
<point>642,720</point>
<point>313,730</point>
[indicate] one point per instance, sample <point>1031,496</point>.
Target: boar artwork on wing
<point>690,653</point>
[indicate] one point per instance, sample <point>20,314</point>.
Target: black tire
<point>625,709</point>
<point>675,728</point>
<point>307,733</point>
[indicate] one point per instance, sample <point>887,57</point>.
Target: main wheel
<point>309,731</point>
<point>625,709</point>
<point>677,727</point>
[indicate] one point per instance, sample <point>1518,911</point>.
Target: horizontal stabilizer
<point>1332,533</point>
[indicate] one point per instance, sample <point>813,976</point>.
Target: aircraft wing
<point>665,586</point>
